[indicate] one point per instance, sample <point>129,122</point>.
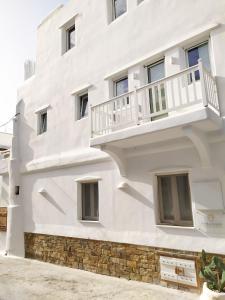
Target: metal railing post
<point>202,81</point>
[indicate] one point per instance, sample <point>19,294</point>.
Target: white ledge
<point>70,20</point>
<point>88,179</point>
<point>65,159</point>
<point>81,89</point>
<point>89,221</point>
<point>42,108</point>
<point>161,226</point>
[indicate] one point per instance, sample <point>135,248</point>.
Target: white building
<point>5,145</point>
<point>120,138</point>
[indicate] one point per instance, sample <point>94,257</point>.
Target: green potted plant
<point>214,276</point>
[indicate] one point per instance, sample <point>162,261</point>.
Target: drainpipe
<point>15,231</point>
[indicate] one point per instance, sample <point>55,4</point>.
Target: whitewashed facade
<point>168,59</point>
<point>5,146</point>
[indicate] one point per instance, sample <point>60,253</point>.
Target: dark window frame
<point>115,85</point>
<point>69,31</point>
<point>42,122</point>
<point>93,187</point>
<point>82,98</point>
<point>158,62</point>
<point>187,51</point>
<point>115,13</point>
<point>177,220</point>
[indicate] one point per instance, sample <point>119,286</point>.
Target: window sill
<point>41,134</point>
<point>175,227</point>
<point>82,119</point>
<point>140,3</point>
<point>115,20</point>
<point>89,222</point>
<point>65,53</point>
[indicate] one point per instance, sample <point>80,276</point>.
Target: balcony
<point>4,160</point>
<point>187,97</point>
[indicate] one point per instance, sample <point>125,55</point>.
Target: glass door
<point>157,99</point>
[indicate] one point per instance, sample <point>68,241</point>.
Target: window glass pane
<point>204,55</point>
<point>71,37</point>
<point>120,7</point>
<point>86,203</point>
<point>121,86</point>
<point>166,200</point>
<point>193,57</point>
<point>156,72</point>
<point>184,197</point>
<point>43,122</point>
<point>96,200</point>
<point>84,106</point>
<point>90,201</point>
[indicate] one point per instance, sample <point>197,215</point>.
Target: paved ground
<point>22,279</point>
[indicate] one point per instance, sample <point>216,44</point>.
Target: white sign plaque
<point>178,270</point>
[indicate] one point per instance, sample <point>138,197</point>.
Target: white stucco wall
<point>56,158</point>
<point>4,190</point>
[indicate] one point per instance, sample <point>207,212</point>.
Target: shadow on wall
<point>52,201</point>
<point>131,191</point>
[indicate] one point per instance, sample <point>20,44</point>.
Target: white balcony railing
<point>186,90</point>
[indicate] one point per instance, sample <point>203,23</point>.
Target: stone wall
<point>132,262</point>
<point>3,219</point>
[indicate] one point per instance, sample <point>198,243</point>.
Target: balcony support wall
<point>201,144</point>
<point>118,156</point>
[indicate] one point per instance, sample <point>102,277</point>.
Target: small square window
<point>42,122</point>
<point>70,35</point>
<point>83,106</point>
<point>90,201</point>
<point>175,200</point>
<point>17,190</point>
<point>119,8</point>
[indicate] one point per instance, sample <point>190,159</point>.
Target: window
<point>119,8</point>
<point>193,55</point>
<point>156,72</point>
<point>90,201</point>
<point>70,35</point>
<point>83,105</point>
<point>17,190</point>
<point>42,122</point>
<point>121,86</point>
<point>174,200</point>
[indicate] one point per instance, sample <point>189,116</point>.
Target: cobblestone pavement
<point>23,279</point>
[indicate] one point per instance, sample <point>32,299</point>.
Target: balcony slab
<point>171,127</point>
